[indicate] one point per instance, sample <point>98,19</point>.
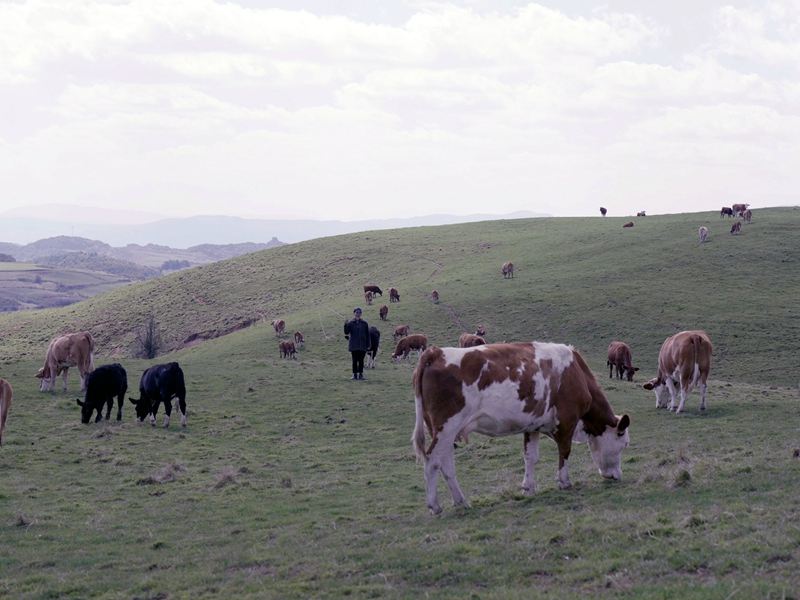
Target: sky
<point>364,109</point>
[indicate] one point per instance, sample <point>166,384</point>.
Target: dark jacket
<point>359,335</point>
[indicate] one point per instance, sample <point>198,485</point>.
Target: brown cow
<point>394,295</point>
<point>286,349</point>
<point>481,331</point>
<point>5,404</point>
<point>299,340</point>
<point>469,340</point>
<point>505,389</point>
<point>603,211</point>
<point>384,310</point>
<point>376,291</point>
<point>508,270</point>
<point>368,297</point>
<point>726,211</point>
<point>641,214</point>
<point>401,331</point>
<point>280,326</point>
<point>435,296</point>
<point>703,234</point>
<point>736,228</point>
<point>73,349</point>
<point>738,209</point>
<point>417,342</point>
<point>685,359</point>
<point>747,215</point>
<point>628,224</point>
<point>619,356</point>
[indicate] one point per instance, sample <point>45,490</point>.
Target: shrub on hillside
<point>174,265</point>
<point>148,340</point>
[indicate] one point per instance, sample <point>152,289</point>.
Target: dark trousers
<point>358,360</point>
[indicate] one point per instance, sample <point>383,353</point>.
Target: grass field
<point>292,481</point>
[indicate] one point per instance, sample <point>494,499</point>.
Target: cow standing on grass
<point>703,234</point>
<point>5,403</point>
<point>299,340</point>
<point>506,389</point>
<point>685,360</point>
<point>435,296</point>
<point>619,356</point>
<point>468,340</point>
<point>383,311</point>
<point>394,295</point>
<point>508,270</point>
<point>376,291</point>
<point>160,384</point>
<point>279,325</point>
<point>401,331</point>
<point>101,386</point>
<point>286,349</point>
<point>417,343</point>
<point>70,350</point>
<point>368,297</point>
<point>374,343</point>
<point>736,228</point>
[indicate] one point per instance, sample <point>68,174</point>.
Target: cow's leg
<point>109,406</point>
<point>530,452</point>
<point>564,449</point>
<point>64,379</point>
<point>168,411</point>
<point>449,474</point>
<point>703,388</point>
<point>432,467</point>
<point>120,401</point>
<point>153,412</point>
<point>673,394</point>
<point>684,393</point>
<point>182,407</point>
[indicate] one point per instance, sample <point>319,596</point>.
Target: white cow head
<point>661,391</point>
<point>607,449</point>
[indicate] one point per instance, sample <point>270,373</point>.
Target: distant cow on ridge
<point>738,209</point>
<point>603,211</point>
<point>628,224</point>
<point>726,211</point>
<point>508,270</point>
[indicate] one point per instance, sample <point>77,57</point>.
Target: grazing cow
<point>384,310</point>
<point>481,331</point>
<point>736,228</point>
<point>468,340</point>
<point>374,342</point>
<point>101,386</point>
<point>160,383</point>
<point>685,359</point>
<point>703,234</point>
<point>299,340</point>
<point>508,270</point>
<point>628,224</point>
<point>368,297</point>
<point>280,326</point>
<point>619,356</point>
<point>417,342</point>
<point>376,291</point>
<point>747,215</point>
<point>73,349</point>
<point>286,349</point>
<point>738,209</point>
<point>435,296</point>
<point>394,295</point>
<point>641,214</point>
<point>506,389</point>
<point>603,211</point>
<point>726,211</point>
<point>401,331</point>
<point>5,403</point>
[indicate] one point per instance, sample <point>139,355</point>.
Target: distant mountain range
<point>218,230</point>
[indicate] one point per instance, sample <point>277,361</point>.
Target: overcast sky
<point>359,109</point>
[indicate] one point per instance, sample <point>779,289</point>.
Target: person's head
<point>357,313</point>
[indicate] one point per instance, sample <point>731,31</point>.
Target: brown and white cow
<point>368,297</point>
<point>71,350</point>
<point>736,228</point>
<point>435,296</point>
<point>508,270</point>
<point>400,331</point>
<point>299,340</point>
<point>747,216</point>
<point>628,224</point>
<point>280,326</point>
<point>394,295</point>
<point>383,311</point>
<point>738,209</point>
<point>507,389</point>
<point>286,349</point>
<point>641,214</point>
<point>376,291</point>
<point>413,343</point>
<point>685,359</point>
<point>5,403</point>
<point>481,331</point>
<point>469,340</point>
<point>619,356</point>
<point>726,211</point>
<point>703,234</point>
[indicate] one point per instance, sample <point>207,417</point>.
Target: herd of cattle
<point>737,210</point>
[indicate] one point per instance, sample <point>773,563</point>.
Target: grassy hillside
<point>585,281</point>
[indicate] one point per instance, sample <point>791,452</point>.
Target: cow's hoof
<point>565,486</point>
<point>678,411</point>
<point>528,491</point>
<point>435,510</point>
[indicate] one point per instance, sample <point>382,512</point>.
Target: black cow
<point>161,383</point>
<point>102,385</point>
<point>374,342</point>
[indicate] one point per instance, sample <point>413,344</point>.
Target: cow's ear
<point>635,369</point>
<point>134,400</point>
<point>649,385</point>
<point>624,423</point>
<point>78,400</point>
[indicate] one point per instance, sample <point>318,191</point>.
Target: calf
<point>376,291</point>
<point>5,403</point>
<point>280,326</point>
<point>160,384</point>
<point>435,296</point>
<point>286,349</point>
<point>747,216</point>
<point>394,295</point>
<point>384,310</point>
<point>299,340</point>
<point>736,228</point>
<point>368,297</point>
<point>619,356</point>
<point>101,386</point>
<point>481,331</point>
<point>468,340</point>
<point>628,224</point>
<point>507,389</point>
<point>641,214</point>
<point>703,235</point>
<point>417,342</point>
<point>508,270</point>
<point>726,211</point>
<point>374,342</point>
<point>685,359</point>
<point>401,331</point>
<point>738,209</point>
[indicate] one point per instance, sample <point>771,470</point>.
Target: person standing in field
<point>357,331</point>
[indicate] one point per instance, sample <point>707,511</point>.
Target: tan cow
<point>5,403</point>
<point>685,359</point>
<point>384,310</point>
<point>280,326</point>
<point>400,331</point>
<point>435,296</point>
<point>736,228</point>
<point>368,297</point>
<point>299,340</point>
<point>71,350</point>
<point>703,234</point>
<point>508,270</point>
<point>619,356</point>
<point>628,224</point>
<point>394,295</point>
<point>738,209</point>
<point>286,349</point>
<point>747,216</point>
<point>416,343</point>
<point>507,389</point>
<point>469,340</point>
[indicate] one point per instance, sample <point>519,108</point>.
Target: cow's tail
<point>418,437</point>
<point>697,344</point>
